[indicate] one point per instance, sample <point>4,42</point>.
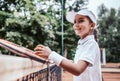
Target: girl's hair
<point>94,31</point>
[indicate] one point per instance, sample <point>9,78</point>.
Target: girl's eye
<point>74,21</point>
<point>80,21</point>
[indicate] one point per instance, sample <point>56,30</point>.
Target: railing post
<point>48,71</point>
<point>104,56</point>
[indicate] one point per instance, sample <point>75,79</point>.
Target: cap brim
<point>70,16</point>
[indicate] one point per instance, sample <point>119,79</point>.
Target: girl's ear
<point>92,25</point>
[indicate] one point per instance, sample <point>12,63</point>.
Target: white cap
<point>70,16</point>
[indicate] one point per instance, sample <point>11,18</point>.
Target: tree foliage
<point>109,22</point>
<point>33,22</point>
<point>25,25</point>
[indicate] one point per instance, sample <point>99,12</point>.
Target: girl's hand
<point>42,51</point>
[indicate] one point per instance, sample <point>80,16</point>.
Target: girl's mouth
<point>78,29</point>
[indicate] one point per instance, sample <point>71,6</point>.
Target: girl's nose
<point>76,24</point>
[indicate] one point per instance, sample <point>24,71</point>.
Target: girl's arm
<point>75,69</point>
<point>68,65</point>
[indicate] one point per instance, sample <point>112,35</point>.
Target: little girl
<point>86,66</point>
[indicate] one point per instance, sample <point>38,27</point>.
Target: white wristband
<point>56,58</point>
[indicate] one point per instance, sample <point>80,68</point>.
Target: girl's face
<point>82,26</point>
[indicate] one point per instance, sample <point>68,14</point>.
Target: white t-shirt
<point>88,50</point>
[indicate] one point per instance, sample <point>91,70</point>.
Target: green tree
<point>25,25</point>
<point>33,22</point>
<point>109,32</point>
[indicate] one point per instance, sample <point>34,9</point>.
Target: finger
<point>39,53</point>
<point>38,47</point>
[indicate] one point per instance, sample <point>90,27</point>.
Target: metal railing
<point>43,75</point>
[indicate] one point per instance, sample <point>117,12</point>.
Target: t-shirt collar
<point>82,41</point>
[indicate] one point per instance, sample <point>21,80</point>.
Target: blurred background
<point>32,22</point>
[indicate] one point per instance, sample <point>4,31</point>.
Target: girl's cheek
<point>74,27</point>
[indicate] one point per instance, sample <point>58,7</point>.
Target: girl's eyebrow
<point>80,18</point>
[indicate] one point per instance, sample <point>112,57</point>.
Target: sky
<point>93,4</point>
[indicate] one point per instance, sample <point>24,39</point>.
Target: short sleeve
<point>89,53</point>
